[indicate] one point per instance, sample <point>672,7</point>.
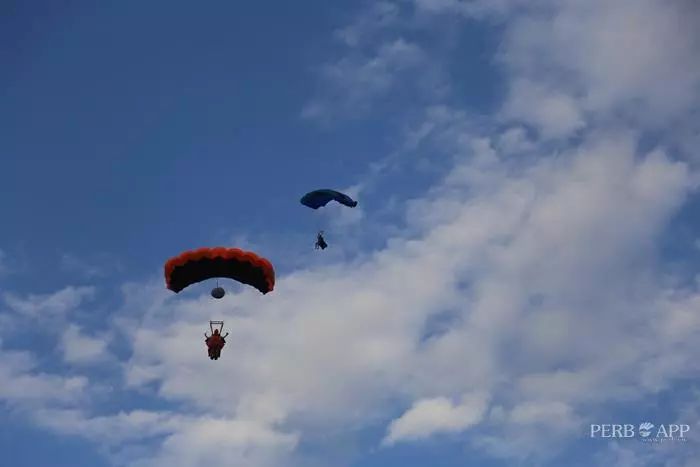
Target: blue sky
<point>522,262</point>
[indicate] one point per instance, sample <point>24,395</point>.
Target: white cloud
<point>613,58</point>
<point>78,348</point>
<point>210,441</point>
<point>428,417</point>
<point>553,113</point>
<point>187,440</point>
<point>515,141</point>
<point>355,82</point>
<point>72,263</point>
<point>21,384</point>
<point>379,16</point>
<point>57,303</point>
<point>123,427</point>
<point>536,412</point>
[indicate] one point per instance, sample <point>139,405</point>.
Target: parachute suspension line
<point>319,222</point>
<point>219,325</point>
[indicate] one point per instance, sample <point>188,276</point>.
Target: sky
<point>523,261</point>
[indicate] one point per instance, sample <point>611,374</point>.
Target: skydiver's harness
<point>220,327</point>
<point>214,346</point>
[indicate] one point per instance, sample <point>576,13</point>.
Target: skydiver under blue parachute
<point>320,241</point>
<point>319,198</point>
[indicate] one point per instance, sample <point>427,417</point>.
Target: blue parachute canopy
<point>317,198</point>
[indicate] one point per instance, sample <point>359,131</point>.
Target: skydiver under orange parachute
<point>195,266</point>
<point>216,341</point>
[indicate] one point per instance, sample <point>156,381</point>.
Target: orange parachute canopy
<point>201,264</point>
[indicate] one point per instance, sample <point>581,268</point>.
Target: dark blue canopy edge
<point>317,198</point>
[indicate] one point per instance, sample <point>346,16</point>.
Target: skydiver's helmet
<point>216,332</point>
